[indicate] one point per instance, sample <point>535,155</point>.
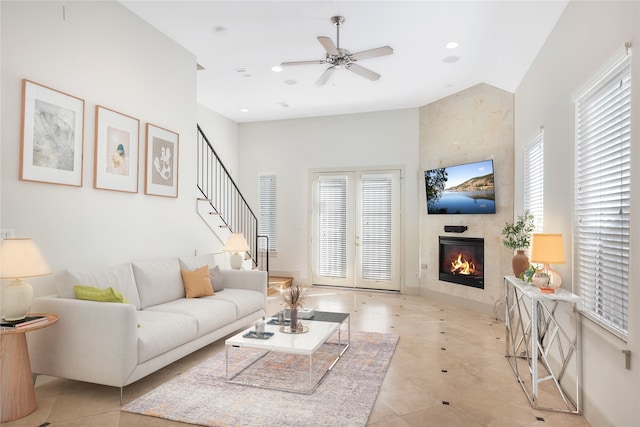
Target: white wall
<point>106,56</point>
<point>585,37</point>
<point>291,148</point>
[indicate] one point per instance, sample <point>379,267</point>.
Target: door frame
<point>401,219</point>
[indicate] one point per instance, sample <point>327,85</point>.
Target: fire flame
<point>462,266</point>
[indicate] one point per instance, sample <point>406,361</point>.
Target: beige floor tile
<point>477,389</point>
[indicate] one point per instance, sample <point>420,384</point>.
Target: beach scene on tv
<point>461,189</point>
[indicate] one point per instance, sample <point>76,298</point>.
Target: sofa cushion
<point>216,279</point>
<point>197,282</point>
<point>119,277</point>
<point>159,332</point>
<point>210,313</point>
<point>158,281</point>
<point>101,295</point>
<point>246,301</point>
<point>197,261</point>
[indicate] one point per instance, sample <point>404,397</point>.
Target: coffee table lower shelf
<point>297,344</point>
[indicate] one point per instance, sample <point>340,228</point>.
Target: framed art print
<point>161,162</point>
<point>116,152</point>
<point>51,145</point>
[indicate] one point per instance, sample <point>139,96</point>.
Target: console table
<point>540,349</point>
<point>17,394</point>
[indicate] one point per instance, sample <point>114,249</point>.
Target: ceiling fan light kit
<point>337,57</point>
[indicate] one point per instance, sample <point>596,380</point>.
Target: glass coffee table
<point>317,331</point>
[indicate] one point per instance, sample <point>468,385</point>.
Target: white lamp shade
<point>20,258</point>
<point>236,243</point>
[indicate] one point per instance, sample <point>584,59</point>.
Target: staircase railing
<point>224,196</point>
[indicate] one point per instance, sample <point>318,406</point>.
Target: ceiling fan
<point>338,57</point>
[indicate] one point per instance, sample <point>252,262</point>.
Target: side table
<point>17,391</point>
<point>539,348</point>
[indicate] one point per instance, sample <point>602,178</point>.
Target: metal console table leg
<point>537,344</point>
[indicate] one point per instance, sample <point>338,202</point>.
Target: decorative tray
<point>275,322</point>
<point>262,336</point>
<point>287,330</point>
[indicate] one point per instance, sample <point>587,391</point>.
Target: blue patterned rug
<point>345,396</point>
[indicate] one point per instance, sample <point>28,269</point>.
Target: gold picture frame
<point>52,136</point>
<point>117,149</point>
<point>161,162</point>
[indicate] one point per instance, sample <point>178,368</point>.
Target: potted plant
<point>517,236</point>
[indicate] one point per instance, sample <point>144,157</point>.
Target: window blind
<point>376,228</point>
<point>268,212</point>
<point>332,216</point>
<point>534,180</point>
<point>601,206</point>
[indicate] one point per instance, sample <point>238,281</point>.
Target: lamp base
<point>552,278</point>
<point>235,261</point>
<point>16,300</point>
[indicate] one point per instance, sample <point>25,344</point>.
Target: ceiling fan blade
<point>372,53</point>
<point>318,61</point>
<point>325,76</point>
<point>364,72</point>
<point>328,45</point>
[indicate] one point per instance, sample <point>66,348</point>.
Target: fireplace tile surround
<point>471,125</point>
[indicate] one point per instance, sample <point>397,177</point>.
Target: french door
<point>356,224</point>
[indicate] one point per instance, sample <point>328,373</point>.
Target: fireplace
<point>462,261</point>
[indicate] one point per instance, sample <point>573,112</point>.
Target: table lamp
<point>19,258</point>
<point>547,249</point>
<point>236,244</point>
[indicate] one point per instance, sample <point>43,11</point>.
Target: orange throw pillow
<point>197,282</point>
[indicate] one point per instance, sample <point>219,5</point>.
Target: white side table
<point>540,349</point>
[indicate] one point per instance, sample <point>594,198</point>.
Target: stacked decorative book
<point>26,321</point>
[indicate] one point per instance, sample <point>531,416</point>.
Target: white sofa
<point>116,344</point>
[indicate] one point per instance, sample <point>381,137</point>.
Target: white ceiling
<point>498,41</point>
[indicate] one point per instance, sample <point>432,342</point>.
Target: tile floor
<point>449,369</point>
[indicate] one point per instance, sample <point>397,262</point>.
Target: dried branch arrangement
<point>294,297</point>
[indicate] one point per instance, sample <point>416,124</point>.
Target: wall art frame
<point>117,148</point>
<point>161,162</point>
<point>52,136</point>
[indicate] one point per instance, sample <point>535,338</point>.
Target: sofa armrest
<point>254,280</point>
<point>92,341</point>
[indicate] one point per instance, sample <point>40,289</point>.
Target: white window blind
<point>534,180</point>
<point>601,206</point>
<point>268,212</point>
<point>376,228</point>
<point>332,218</point>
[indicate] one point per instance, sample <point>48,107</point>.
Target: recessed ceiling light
<point>451,59</point>
<point>290,82</point>
<point>276,69</point>
<point>244,110</point>
<point>451,45</point>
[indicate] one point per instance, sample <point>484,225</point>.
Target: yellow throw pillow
<point>102,295</point>
<point>197,282</point>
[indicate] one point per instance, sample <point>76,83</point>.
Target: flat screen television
<point>461,189</point>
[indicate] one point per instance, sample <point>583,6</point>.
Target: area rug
<point>344,397</point>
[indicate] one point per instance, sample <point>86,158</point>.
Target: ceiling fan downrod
<point>337,21</point>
